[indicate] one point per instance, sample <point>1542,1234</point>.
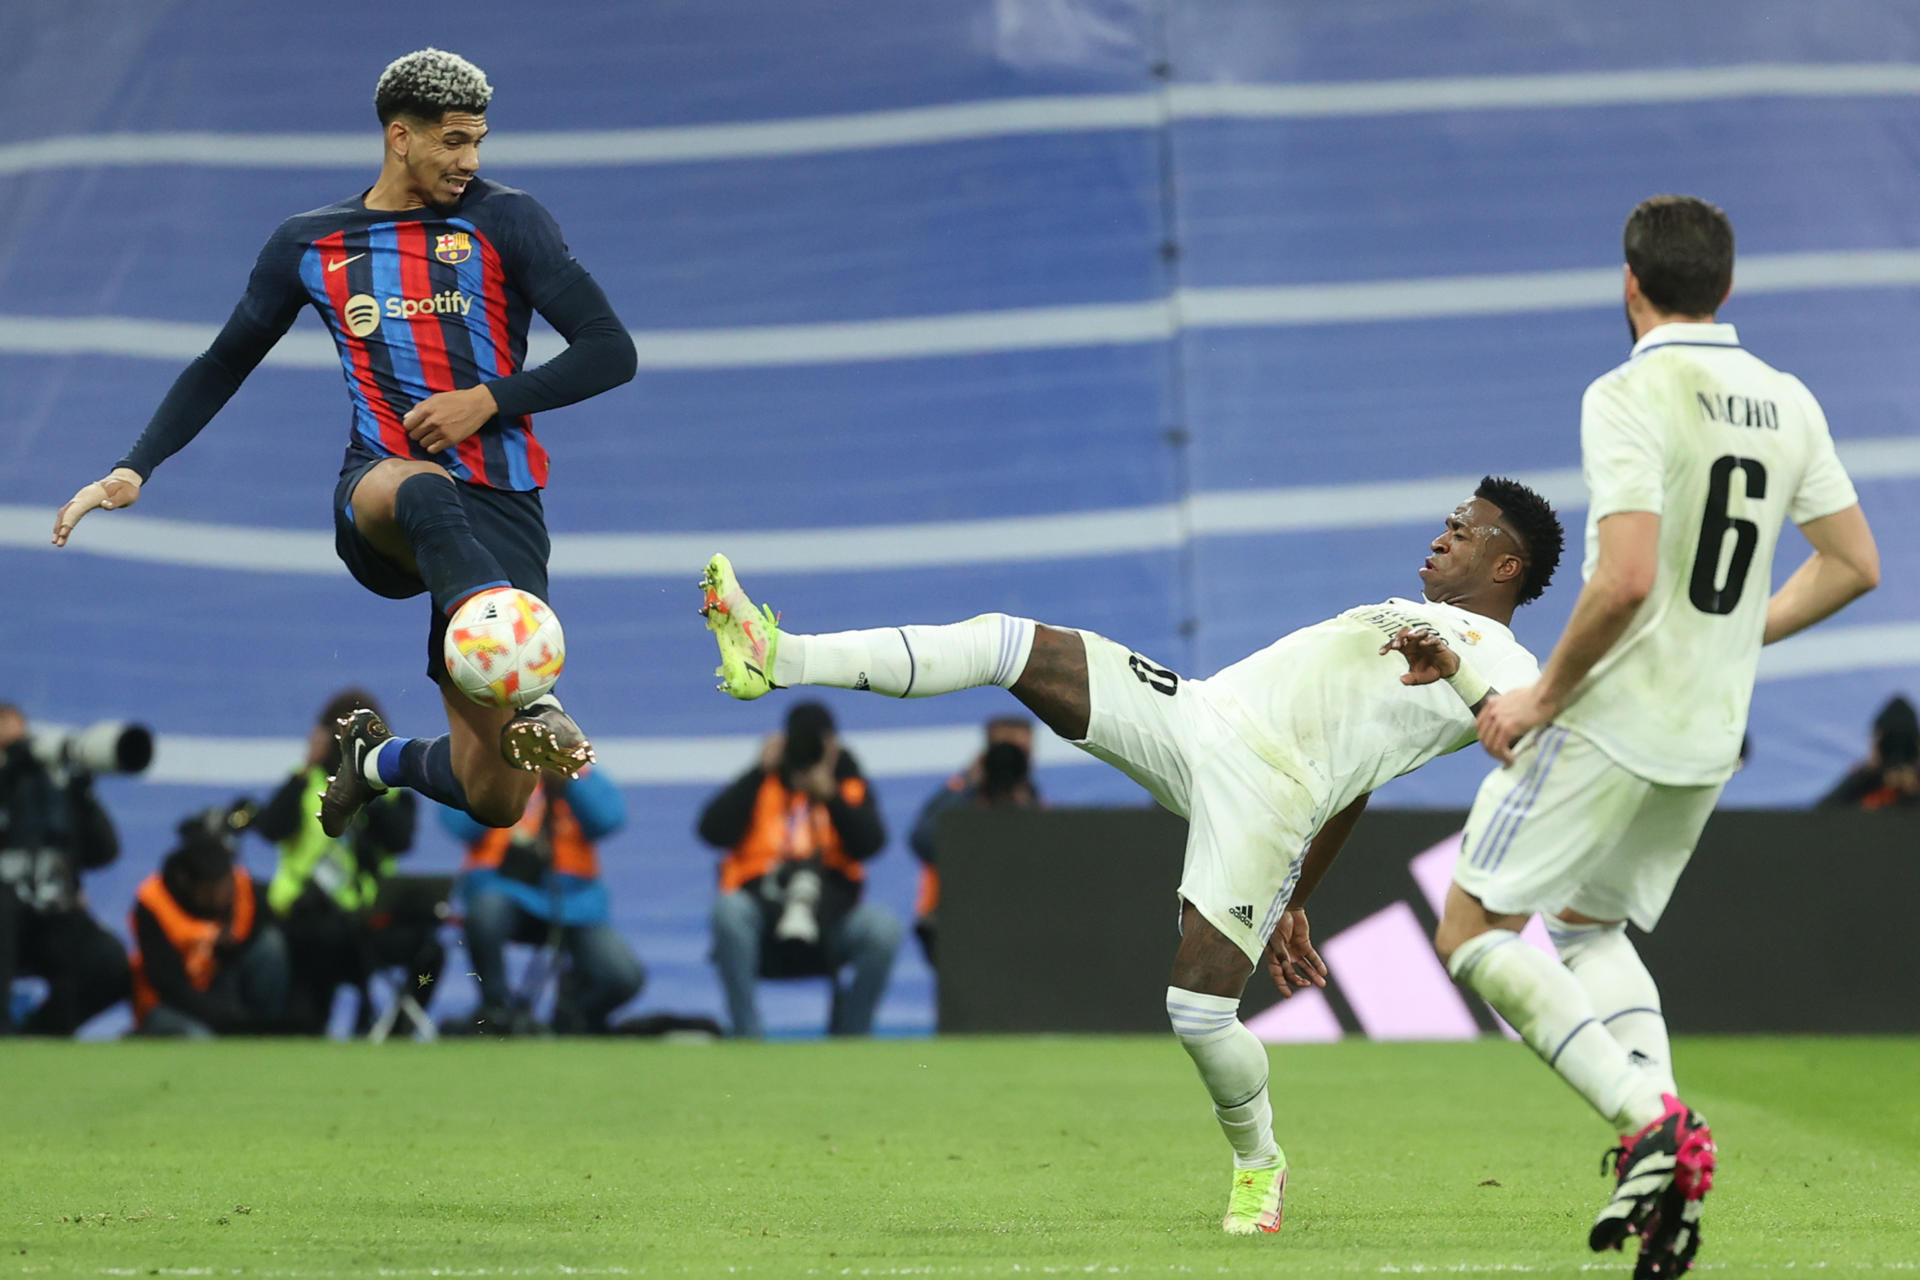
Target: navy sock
<point>424,765</point>
<point>452,562</point>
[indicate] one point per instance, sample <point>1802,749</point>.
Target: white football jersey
<point>1725,449</point>
<point>1326,707</point>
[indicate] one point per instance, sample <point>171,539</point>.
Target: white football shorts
<point>1248,824</point>
<point>1564,827</point>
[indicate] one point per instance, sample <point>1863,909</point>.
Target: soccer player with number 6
<point>1696,452</point>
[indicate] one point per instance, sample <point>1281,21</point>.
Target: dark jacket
<point>1866,788</point>
<point>179,954</point>
<point>764,825</point>
<point>51,829</point>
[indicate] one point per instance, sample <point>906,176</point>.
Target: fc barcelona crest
<point>453,248</point>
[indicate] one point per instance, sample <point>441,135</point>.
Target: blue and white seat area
<point>1181,322</point>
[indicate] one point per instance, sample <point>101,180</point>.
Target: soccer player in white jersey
<point>1270,761</point>
<point>1695,453</point>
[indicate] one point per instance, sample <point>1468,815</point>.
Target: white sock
<point>1624,996</point>
<point>1233,1066</point>
<point>910,662</point>
<point>1552,1013</point>
<point>370,763</point>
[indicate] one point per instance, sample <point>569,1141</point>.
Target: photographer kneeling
<point>208,960</point>
<point>796,829</point>
<point>52,829</point>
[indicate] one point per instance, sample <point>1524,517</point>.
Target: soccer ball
<point>504,647</point>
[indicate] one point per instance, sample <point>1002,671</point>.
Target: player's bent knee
<point>1208,961</point>
<point>495,813</point>
<point>375,496</point>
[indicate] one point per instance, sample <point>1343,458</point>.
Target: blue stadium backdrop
<point>1179,321</point>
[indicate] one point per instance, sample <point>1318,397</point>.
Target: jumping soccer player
<point>1270,761</point>
<point>426,281</point>
<point>1696,452</point>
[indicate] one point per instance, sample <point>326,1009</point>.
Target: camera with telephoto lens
<point>809,726</point>
<point>800,919</point>
<point>111,746</point>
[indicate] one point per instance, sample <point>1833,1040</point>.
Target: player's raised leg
<point>1049,669</point>
<point>1045,667</point>
<point>1210,972</point>
<point>411,513</point>
<point>462,769</point>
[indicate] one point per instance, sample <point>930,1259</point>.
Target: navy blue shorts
<point>511,523</point>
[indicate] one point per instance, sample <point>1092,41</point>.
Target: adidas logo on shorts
<point>1243,914</point>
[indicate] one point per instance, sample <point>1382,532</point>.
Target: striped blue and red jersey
<point>422,301</point>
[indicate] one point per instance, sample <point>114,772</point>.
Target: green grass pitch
<point>960,1157</point>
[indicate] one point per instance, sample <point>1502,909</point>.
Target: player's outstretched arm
<point>118,488</point>
<point>1844,566</point>
<point>262,316</point>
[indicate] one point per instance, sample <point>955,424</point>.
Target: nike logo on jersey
<point>334,264</point>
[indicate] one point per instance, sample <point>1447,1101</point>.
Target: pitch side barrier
<point>1064,921</point>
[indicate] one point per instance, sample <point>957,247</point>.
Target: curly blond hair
<point>428,83</point>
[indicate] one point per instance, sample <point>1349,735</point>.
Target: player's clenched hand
<point>1508,717</point>
<point>1429,657</point>
<point>120,488</point>
<point>1291,960</point>
<point>444,419</point>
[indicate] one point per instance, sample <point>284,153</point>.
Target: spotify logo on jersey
<point>362,315</point>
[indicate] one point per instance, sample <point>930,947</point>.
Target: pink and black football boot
<point>1662,1174</point>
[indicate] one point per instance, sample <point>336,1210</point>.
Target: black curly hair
<point>1531,520</point>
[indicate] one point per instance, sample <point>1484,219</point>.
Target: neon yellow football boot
<point>748,634</point>
<point>1257,1200</point>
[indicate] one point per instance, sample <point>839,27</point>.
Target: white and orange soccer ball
<point>504,647</point>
